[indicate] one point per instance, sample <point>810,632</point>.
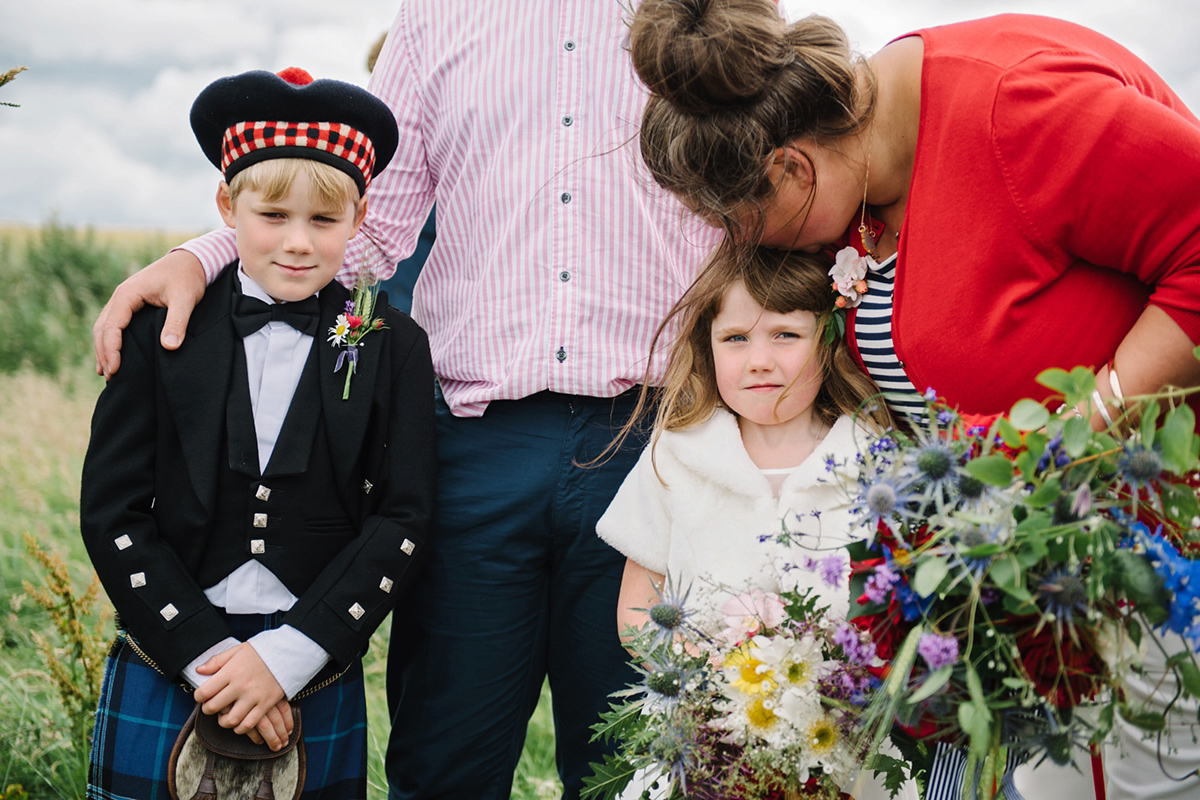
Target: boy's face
<point>294,246</point>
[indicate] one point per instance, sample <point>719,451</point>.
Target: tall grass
<point>56,279</point>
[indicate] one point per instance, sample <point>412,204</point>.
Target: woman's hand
<point>176,281</point>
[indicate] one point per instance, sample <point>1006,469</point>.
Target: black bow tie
<point>250,314</point>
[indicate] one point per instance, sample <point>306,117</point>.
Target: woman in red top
<point>1028,186</point>
<point>1036,179</point>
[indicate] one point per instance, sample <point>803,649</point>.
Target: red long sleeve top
<point>1054,196</point>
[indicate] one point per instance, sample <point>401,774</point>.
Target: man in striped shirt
<point>555,261</point>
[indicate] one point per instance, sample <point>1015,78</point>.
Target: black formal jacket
<point>160,488</point>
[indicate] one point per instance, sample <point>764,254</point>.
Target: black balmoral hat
<point>254,116</point>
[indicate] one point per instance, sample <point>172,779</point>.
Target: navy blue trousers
<point>518,587</point>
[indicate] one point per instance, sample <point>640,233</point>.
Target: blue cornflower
<point>1181,576</point>
<point>1054,453</point>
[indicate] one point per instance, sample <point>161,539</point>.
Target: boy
<point>253,512</point>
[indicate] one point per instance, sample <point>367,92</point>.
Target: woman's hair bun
<point>708,55</point>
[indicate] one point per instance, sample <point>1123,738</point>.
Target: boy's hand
<point>277,719</point>
<point>243,693</point>
<point>176,281</point>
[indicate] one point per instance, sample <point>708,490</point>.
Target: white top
<point>703,527</point>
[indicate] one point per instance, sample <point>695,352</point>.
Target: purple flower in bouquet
<point>858,651</point>
<point>832,569</point>
<point>879,585</point>
<point>937,650</point>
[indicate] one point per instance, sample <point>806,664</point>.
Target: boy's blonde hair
<point>273,177</point>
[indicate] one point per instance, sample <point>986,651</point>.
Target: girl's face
<point>767,365</point>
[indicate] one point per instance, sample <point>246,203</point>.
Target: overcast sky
<point>102,137</point>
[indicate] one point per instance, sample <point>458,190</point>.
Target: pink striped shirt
<point>556,255</point>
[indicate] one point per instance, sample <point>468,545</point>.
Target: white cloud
<point>102,135</point>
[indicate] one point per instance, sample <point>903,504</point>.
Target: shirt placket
<point>569,198</point>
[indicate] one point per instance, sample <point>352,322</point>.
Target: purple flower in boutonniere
<point>349,328</point>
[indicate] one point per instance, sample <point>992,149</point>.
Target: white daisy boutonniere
<point>350,327</point>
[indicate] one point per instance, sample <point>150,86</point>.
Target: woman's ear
<point>792,162</point>
<point>225,205</point>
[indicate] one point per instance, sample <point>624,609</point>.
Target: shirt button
<point>564,276</point>
<point>569,45</point>
<point>561,355</point>
<point>565,197</point>
<point>901,364</point>
<point>567,120</point>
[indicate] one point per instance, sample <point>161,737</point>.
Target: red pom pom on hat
<point>296,76</point>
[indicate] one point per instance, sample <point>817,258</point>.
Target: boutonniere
<point>350,327</point>
<point>849,273</point>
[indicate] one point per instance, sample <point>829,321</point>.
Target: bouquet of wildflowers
<point>767,708</point>
<point>1014,567</point>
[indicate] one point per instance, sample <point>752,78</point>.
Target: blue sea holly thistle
<point>670,615</point>
<point>1063,593</point>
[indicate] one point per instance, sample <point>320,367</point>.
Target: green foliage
<point>56,281</point>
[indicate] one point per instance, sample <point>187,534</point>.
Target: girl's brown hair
<point>730,83</point>
<point>779,281</point>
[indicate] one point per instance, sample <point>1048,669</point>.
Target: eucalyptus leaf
<point>929,575</point>
<point>1057,379</point>
<point>1004,573</point>
<point>1150,412</point>
<point>996,470</point>
<point>1181,503</point>
<point>1028,415</point>
<point>1146,720</point>
<point>935,680</point>
<point>1175,437</point>
<point>1045,494</point>
<point>1189,674</point>
<point>1077,432</point>
<point>1008,432</point>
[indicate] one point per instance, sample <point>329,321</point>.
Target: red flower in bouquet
<point>1063,672</point>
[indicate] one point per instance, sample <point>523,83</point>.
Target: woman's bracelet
<point>1115,384</point>
<point>1108,420</point>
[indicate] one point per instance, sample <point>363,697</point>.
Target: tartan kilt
<point>141,713</point>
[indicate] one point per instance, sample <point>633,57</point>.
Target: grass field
<point>56,279</point>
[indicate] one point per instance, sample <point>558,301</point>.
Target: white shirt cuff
<point>195,678</point>
<point>293,658</point>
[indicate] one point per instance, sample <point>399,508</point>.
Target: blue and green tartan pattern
<point>141,713</point>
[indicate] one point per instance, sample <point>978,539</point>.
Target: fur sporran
<point>209,762</point>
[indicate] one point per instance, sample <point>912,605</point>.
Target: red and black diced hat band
<point>255,116</point>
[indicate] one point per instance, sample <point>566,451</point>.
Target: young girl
<point>757,400</point>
